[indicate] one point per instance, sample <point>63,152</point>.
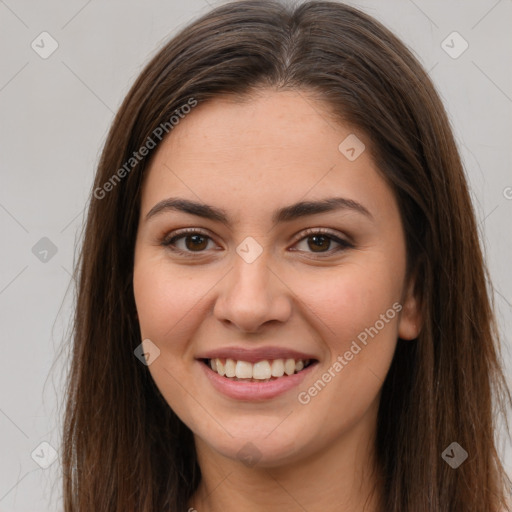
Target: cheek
<point>164,299</point>
<point>349,300</point>
<point>356,313</point>
<point>168,303</point>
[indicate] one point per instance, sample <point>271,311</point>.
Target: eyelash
<point>170,240</point>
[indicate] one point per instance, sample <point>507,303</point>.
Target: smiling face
<point>229,265</point>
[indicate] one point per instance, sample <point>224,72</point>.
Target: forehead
<point>274,147</point>
<point>283,125</point>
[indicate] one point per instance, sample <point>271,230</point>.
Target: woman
<point>282,302</point>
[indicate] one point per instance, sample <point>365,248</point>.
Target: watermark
<point>44,45</point>
<point>44,455</point>
<point>158,133</point>
<point>44,250</point>
<point>249,454</point>
<point>351,147</point>
<point>304,397</point>
<point>454,455</point>
<point>249,250</point>
<point>147,352</point>
<point>454,45</point>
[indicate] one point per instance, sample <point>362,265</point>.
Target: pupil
<point>198,242</point>
<point>318,239</point>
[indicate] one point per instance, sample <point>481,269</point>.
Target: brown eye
<point>188,242</point>
<point>196,242</point>
<point>319,243</point>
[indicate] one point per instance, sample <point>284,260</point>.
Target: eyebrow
<point>285,214</point>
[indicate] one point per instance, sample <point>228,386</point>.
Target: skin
<point>251,158</point>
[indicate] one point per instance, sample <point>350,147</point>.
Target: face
<point>265,247</point>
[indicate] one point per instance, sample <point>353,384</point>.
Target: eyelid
<point>335,235</point>
<point>167,240</point>
<point>187,231</point>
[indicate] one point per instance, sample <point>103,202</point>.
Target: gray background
<point>55,113</point>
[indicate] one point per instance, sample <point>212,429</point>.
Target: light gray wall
<point>55,113</point>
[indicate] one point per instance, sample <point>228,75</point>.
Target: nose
<point>252,295</point>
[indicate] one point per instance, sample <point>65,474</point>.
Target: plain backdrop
<point>54,116</point>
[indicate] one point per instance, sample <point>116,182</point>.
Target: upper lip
<point>253,355</point>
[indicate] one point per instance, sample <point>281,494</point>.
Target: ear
<point>411,318</point>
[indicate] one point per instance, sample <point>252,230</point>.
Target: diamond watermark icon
<point>44,455</point>
<point>249,250</point>
<point>147,352</point>
<point>454,455</point>
<point>44,45</point>
<point>249,454</point>
<point>351,147</point>
<point>44,250</point>
<point>454,45</point>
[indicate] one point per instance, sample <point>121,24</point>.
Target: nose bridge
<point>252,295</point>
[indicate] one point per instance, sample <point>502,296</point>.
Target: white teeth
<point>277,368</point>
<point>262,370</point>
<point>289,366</point>
<point>221,370</point>
<point>243,370</point>
<point>230,368</point>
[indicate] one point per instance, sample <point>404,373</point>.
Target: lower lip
<point>241,390</point>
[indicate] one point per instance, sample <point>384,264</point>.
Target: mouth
<point>265,370</point>
<point>256,374</point>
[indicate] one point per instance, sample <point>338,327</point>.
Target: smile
<point>261,371</point>
<point>262,380</point>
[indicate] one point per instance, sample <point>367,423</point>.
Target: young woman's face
<point>277,246</point>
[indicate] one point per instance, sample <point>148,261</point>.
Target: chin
<point>266,448</point>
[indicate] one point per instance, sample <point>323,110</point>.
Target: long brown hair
<point>124,449</point>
